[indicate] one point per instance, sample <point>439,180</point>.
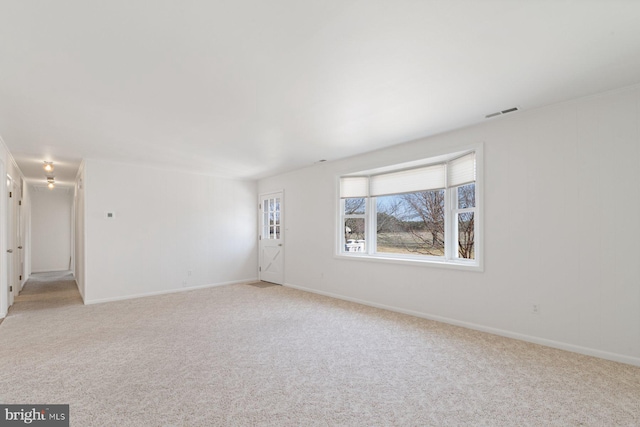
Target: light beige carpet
<point>243,355</point>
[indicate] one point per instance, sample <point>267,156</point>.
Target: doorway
<point>14,241</point>
<point>271,238</point>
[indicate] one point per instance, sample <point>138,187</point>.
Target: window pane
<point>354,235</point>
<point>411,223</point>
<point>467,196</point>
<point>466,235</point>
<point>265,223</point>
<point>354,206</point>
<point>391,231</point>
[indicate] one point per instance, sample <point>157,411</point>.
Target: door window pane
<point>271,218</point>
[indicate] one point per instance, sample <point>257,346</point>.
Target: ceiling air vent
<point>500,113</point>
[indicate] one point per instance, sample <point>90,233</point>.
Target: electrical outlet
<point>535,309</point>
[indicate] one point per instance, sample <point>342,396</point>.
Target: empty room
<point>320,213</point>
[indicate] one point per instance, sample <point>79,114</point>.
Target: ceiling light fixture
<point>48,166</point>
<point>51,182</point>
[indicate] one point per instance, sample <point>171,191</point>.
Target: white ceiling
<point>250,88</point>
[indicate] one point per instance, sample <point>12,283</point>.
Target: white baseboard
<point>168,291</point>
<point>630,360</point>
<point>57,270</point>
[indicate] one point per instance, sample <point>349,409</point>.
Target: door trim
<point>4,222</point>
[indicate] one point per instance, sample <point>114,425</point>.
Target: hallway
<point>45,291</point>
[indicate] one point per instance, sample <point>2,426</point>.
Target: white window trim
<point>450,260</point>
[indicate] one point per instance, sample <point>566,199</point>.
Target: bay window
<point>427,213</point>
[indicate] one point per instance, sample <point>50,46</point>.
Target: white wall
<point>79,231</point>
<point>562,198</point>
<point>9,167</point>
<point>50,228</point>
<point>26,233</point>
<point>170,231</point>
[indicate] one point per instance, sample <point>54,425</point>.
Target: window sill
<point>463,266</point>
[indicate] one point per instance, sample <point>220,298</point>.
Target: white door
<point>271,238</point>
<point>11,236</point>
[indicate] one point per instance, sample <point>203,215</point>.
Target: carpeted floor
<point>246,355</point>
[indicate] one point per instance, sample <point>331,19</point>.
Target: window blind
<point>354,186</point>
<point>408,181</point>
<point>458,171</point>
<point>462,170</point>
